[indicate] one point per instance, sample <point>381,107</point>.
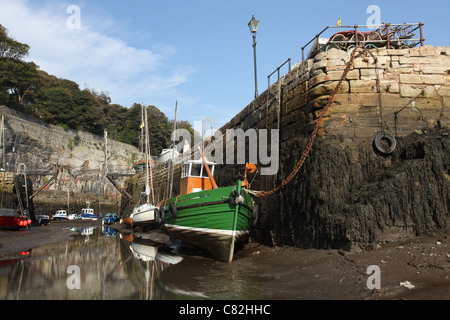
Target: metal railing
<point>278,70</point>
<point>386,34</point>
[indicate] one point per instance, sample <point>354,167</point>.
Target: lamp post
<point>253,26</point>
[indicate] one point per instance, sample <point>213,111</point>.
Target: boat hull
<point>59,218</point>
<point>209,220</point>
<point>216,242</point>
<point>14,222</point>
<point>91,216</point>
<point>143,216</point>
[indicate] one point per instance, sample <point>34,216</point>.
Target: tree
<point>61,101</point>
<point>19,80</point>
<point>159,130</point>
<point>10,48</point>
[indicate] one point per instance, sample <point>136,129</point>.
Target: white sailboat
<point>144,214</point>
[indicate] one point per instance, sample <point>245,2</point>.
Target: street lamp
<point>253,26</point>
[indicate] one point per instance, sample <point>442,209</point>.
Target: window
<point>196,170</point>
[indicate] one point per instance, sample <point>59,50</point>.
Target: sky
<point>197,53</point>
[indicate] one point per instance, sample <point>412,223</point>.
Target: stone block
<point>427,103</point>
<point>319,56</point>
<point>371,74</point>
<point>443,51</point>
<point>333,54</point>
<point>361,99</point>
<point>367,133</point>
<point>303,67</point>
<point>344,108</point>
<point>331,67</point>
<point>393,100</point>
<point>390,86</point>
<point>398,52</point>
<point>381,52</point>
<point>422,79</point>
<point>327,88</point>
<point>445,70</point>
<point>353,74</point>
<point>446,102</point>
<point>383,61</point>
<point>400,70</point>
<point>444,91</point>
<point>301,88</point>
<point>316,72</point>
<point>363,86</point>
<point>320,64</point>
<point>395,64</point>
<point>424,51</point>
<point>364,63</point>
<point>329,76</point>
<point>295,103</point>
<point>419,60</point>
<point>407,90</point>
<point>318,103</point>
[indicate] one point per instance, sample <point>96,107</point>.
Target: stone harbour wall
<point>347,194</point>
<point>79,155</point>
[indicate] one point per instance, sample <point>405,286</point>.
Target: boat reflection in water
<point>109,267</point>
<point>152,259</point>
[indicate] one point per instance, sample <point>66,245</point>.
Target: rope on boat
<point>318,124</point>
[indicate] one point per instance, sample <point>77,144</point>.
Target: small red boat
<point>9,218</point>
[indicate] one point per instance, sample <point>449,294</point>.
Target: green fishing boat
<point>212,218</point>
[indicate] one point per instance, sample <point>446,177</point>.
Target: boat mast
<point>147,164</point>
<point>173,150</point>
<point>2,138</point>
<point>141,138</point>
<point>205,163</point>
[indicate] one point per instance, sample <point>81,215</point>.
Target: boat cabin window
<point>195,170</point>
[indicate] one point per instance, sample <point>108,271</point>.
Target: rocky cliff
<point>78,156</point>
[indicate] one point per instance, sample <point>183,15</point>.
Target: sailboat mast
<point>141,138</point>
<point>3,141</point>
<point>148,163</point>
<point>173,150</point>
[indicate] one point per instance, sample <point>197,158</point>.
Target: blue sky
<point>197,52</point>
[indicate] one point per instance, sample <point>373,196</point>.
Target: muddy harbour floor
<point>412,269</point>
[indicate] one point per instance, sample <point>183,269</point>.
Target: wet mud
<point>411,269</point>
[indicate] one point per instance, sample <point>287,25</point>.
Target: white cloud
<point>86,56</point>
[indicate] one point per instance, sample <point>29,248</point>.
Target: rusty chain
<point>313,135</point>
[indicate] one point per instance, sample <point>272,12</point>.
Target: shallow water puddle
<point>98,263</point>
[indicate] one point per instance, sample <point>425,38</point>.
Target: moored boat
<point>60,215</point>
<point>88,213</point>
<point>9,218</point>
<point>74,216</point>
<point>212,218</point>
<point>111,218</point>
<point>167,154</point>
<point>143,215</point>
<point>42,219</point>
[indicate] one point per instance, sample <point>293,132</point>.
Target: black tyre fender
<point>157,214</point>
<point>255,213</point>
<point>380,148</point>
<point>173,210</point>
<point>162,215</point>
<point>233,195</point>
